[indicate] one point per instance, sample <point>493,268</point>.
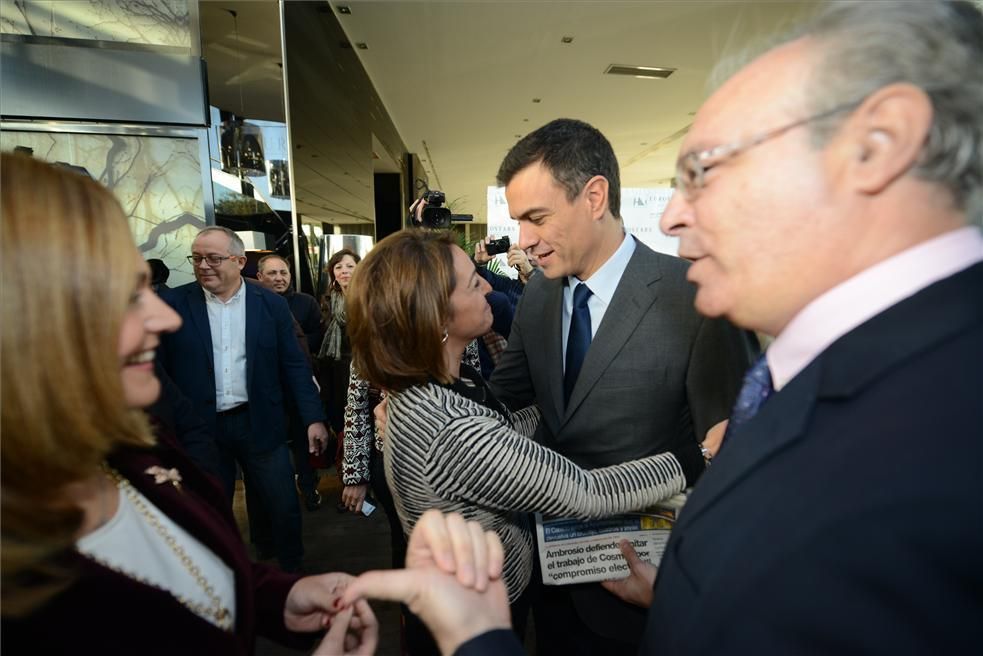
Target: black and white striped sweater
<point>360,437</point>
<point>447,452</point>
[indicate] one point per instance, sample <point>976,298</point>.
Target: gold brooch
<point>161,475</point>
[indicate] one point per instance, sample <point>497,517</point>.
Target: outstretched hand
<point>637,587</point>
<point>481,256</point>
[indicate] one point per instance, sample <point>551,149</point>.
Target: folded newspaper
<point>574,551</point>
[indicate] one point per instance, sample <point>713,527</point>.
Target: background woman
<point>414,305</point>
<point>335,356</point>
<point>112,541</point>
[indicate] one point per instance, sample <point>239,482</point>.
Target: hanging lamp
<point>242,143</point>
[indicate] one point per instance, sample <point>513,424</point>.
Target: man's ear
<point>886,136</point>
<point>596,196</point>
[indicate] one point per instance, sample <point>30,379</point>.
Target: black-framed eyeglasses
<point>213,260</point>
<point>691,169</point>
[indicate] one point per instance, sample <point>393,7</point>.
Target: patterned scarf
<point>331,346</point>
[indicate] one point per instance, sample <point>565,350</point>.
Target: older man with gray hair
<point>824,194</point>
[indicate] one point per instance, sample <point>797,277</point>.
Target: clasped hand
<point>452,580</point>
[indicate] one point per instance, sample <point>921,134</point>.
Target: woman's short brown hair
<point>69,268</point>
<point>398,305</point>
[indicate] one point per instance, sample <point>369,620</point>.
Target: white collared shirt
<point>227,321</point>
<point>602,284</point>
<point>867,294</point>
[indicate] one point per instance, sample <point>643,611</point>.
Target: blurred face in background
<point>343,271</point>
<point>275,275</point>
<point>146,317</point>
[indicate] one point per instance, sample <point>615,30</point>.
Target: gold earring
<point>443,340</point>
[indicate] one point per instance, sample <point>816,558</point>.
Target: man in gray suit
<point>607,343</point>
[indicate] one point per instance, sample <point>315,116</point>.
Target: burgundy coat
<point>104,612</point>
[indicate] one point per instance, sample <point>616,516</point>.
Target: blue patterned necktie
<point>754,392</point>
<point>578,339</point>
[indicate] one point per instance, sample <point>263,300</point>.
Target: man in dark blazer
<point>273,272</point>
<point>846,515</point>
<point>236,357</point>
<point>654,375</point>
<point>176,415</point>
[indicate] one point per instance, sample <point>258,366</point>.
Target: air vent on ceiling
<point>639,71</point>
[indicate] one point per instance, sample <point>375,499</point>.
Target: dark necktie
<point>754,392</point>
<point>578,339</point>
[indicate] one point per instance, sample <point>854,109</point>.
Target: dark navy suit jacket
<point>275,365</point>
<point>847,516</point>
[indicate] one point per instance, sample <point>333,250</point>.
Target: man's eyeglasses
<point>692,167</point>
<point>213,260</point>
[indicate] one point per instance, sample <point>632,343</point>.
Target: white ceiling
<point>459,78</point>
<point>244,56</point>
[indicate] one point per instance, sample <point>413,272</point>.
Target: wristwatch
<point>707,456</point>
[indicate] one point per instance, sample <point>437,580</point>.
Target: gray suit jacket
<point>657,376</point>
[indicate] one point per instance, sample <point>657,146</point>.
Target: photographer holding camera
<point>518,259</point>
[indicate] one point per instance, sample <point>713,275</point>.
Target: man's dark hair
<point>573,152</point>
<point>159,273</point>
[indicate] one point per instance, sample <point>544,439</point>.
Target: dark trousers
<point>271,499</point>
<point>561,632</point>
<point>297,431</point>
<point>380,489</point>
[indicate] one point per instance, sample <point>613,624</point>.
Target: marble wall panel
<point>149,22</point>
<point>156,179</point>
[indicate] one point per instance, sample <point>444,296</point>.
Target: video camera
<point>435,216</point>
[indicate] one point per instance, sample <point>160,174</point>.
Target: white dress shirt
<point>227,321</point>
<point>602,284</point>
<point>867,294</point>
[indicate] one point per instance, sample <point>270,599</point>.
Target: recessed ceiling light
<point>361,45</point>
<point>518,136</point>
<point>647,72</point>
<point>537,100</point>
<point>566,39</point>
<point>344,9</point>
<point>525,120</point>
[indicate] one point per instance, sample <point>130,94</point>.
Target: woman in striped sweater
<point>414,303</point>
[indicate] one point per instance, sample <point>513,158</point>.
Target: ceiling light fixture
<point>361,45</point>
<point>344,9</point>
<point>566,39</point>
<point>537,100</point>
<point>646,72</point>
<point>242,143</point>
